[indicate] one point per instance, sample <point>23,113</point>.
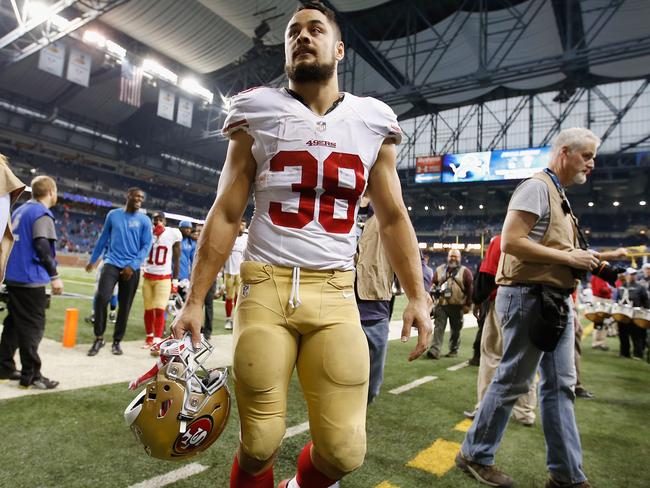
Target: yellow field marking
<point>436,459</point>
<point>587,330</point>
<point>464,425</point>
<point>386,484</point>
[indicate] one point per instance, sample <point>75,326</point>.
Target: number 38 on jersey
<point>333,205</point>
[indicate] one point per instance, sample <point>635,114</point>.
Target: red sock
<point>159,322</point>
<point>241,479</point>
<point>148,321</point>
<point>234,300</point>
<point>228,307</point>
<point>308,476</point>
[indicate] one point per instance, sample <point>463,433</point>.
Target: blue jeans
<point>377,334</point>
<point>517,307</point>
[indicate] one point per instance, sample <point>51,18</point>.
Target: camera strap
<point>566,207</point>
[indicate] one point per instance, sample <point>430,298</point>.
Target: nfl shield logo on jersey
<point>321,126</point>
<point>245,290</point>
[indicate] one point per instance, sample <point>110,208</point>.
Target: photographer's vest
<point>455,282</point>
<point>561,234</point>
<point>374,276</point>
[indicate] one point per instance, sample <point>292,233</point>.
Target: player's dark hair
<point>133,189</point>
<point>327,12</point>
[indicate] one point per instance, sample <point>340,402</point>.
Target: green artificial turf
<point>79,439</point>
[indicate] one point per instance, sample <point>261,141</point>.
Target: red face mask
<point>158,229</point>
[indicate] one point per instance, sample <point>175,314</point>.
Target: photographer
<point>635,294</point>
<point>537,271</point>
<point>453,292</point>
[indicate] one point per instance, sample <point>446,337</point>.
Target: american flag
<point>130,83</point>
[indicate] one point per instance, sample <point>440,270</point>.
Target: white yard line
<point>172,476</point>
<point>413,384</point>
<point>296,429</point>
<point>458,366</point>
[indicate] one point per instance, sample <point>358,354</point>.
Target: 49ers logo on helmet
<point>197,432</point>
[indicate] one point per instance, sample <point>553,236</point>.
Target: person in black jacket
<point>635,294</point>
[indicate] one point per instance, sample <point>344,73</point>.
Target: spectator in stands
<point>453,290</point>
<point>10,189</point>
<point>485,293</point>
<point>31,266</point>
<point>536,276</point>
<point>124,243</point>
<point>208,303</point>
<point>635,294</point>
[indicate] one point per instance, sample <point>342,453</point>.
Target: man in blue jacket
<point>31,266</point>
<point>125,241</point>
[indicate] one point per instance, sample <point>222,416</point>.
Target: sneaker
<point>97,345</point>
<point>470,414</point>
<point>551,483</point>
<point>475,361</point>
<point>90,320</point>
<point>601,347</point>
<point>41,383</point>
<point>148,342</point>
<point>525,423</point>
<point>451,354</point>
<point>116,349</point>
<point>433,355</point>
<point>284,483</point>
<point>488,475</point>
<point>13,375</point>
<point>582,393</point>
<point>112,317</point>
<point>228,324</point>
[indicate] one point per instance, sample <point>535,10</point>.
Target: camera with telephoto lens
<point>604,271</point>
<point>443,291</point>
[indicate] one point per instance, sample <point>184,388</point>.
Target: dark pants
<point>440,315</point>
<point>24,327</point>
<point>209,309</point>
<point>126,289</point>
<point>476,347</point>
<point>638,336</point>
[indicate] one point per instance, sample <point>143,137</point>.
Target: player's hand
<point>580,259</point>
<point>619,253</point>
<point>90,267</point>
<point>126,273</point>
<point>416,314</point>
<point>190,319</point>
<point>466,309</point>
<point>57,286</point>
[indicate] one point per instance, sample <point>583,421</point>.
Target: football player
<point>308,152</point>
<point>231,272</point>
<point>160,277</point>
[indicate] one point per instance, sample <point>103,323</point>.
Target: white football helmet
<point>185,408</point>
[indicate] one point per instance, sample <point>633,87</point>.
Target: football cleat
<point>185,406</point>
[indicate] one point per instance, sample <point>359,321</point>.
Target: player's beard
<point>310,72</point>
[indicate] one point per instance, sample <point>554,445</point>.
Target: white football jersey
<point>232,264</point>
<point>159,261</point>
<point>311,172</point>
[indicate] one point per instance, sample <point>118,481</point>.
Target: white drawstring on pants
<point>294,299</point>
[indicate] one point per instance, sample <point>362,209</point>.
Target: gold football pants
<point>155,293</point>
<point>232,282</point>
<point>322,338</point>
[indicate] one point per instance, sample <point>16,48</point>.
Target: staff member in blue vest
<point>125,241</point>
<point>31,266</point>
<point>188,248</point>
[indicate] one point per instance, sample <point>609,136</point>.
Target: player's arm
<point>176,259</point>
<point>220,230</point>
<point>398,238</point>
<point>101,244</point>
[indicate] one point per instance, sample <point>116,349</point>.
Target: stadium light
<point>616,203</point>
<point>114,49</point>
<point>460,207</point>
<point>441,207</point>
<point>590,204</point>
<point>192,86</point>
<point>155,68</point>
<point>481,206</point>
<point>92,37</point>
<point>426,207</point>
<point>409,208</point>
<point>38,10</point>
<point>642,203</point>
